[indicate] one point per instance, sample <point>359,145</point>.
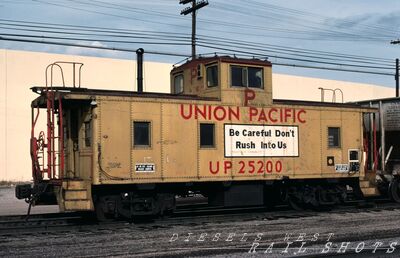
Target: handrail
<point>333,94</point>
<point>74,64</point>
<point>51,74</point>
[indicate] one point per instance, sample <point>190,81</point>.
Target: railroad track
<point>193,215</point>
<point>15,224</point>
<point>185,214</point>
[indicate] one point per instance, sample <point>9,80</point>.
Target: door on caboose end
<point>78,141</point>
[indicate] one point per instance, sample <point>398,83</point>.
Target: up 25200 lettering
<point>245,167</point>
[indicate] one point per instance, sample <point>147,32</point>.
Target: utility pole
<point>397,77</point>
<point>195,6</point>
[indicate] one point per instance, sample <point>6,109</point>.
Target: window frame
<point>183,83</point>
<point>339,140</point>
<point>206,80</point>
<point>245,76</point>
<point>358,155</point>
<point>150,138</point>
<point>214,142</point>
<point>88,134</point>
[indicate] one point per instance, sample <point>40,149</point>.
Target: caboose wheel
<point>324,199</point>
<point>100,212</point>
<point>274,196</point>
<point>295,204</point>
<point>295,198</point>
<point>394,190</point>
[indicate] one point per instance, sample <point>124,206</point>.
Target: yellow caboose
<point>219,133</point>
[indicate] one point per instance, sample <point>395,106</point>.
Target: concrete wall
<point>305,88</point>
<point>21,70</point>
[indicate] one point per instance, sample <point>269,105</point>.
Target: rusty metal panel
<point>391,118</point>
<point>309,161</point>
<point>114,139</point>
<point>211,163</point>
<point>175,154</point>
<point>78,205</point>
<point>76,195</point>
<point>179,145</point>
<point>184,160</point>
<point>350,138</point>
<point>331,118</point>
<point>142,157</point>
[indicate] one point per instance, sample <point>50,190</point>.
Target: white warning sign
<point>145,168</point>
<point>261,141</point>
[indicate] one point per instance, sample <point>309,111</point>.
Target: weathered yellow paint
<point>175,150</point>
<point>115,137</point>
<point>75,195</point>
<point>78,205</point>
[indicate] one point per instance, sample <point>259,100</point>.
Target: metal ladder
<point>47,151</point>
<point>50,148</point>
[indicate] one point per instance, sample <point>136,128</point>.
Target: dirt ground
<point>327,234</point>
<point>9,205</point>
<point>363,233</point>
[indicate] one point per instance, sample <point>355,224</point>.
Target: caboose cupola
<point>225,78</point>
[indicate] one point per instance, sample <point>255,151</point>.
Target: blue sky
<point>356,33</point>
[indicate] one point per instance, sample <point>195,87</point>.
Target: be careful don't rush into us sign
<point>261,141</point>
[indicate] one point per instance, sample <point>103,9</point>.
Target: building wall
<point>305,88</point>
<point>20,70</point>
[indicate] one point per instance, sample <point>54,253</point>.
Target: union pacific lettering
<point>264,115</point>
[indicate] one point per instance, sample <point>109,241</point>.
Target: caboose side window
<point>251,77</point>
<point>178,84</point>
<point>333,137</point>
<point>141,134</point>
<point>212,76</point>
<point>88,134</point>
<point>238,76</point>
<point>207,135</point>
<point>255,77</point>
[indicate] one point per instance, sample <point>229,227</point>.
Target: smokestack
<point>139,60</point>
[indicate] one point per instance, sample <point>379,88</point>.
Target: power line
<point>333,69</point>
<point>253,49</point>
<point>297,19</point>
<point>91,47</point>
<point>325,68</point>
<point>99,40</point>
<point>182,55</point>
<point>196,5</point>
<point>261,52</point>
<point>324,33</point>
<point>108,14</point>
<point>290,51</point>
<point>66,32</point>
<point>137,33</point>
<point>163,14</point>
<point>87,28</point>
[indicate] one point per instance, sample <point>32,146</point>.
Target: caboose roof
<point>87,94</point>
<point>383,100</point>
<point>223,59</point>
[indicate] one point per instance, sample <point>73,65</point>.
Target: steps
<point>368,188</point>
<point>77,195</point>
